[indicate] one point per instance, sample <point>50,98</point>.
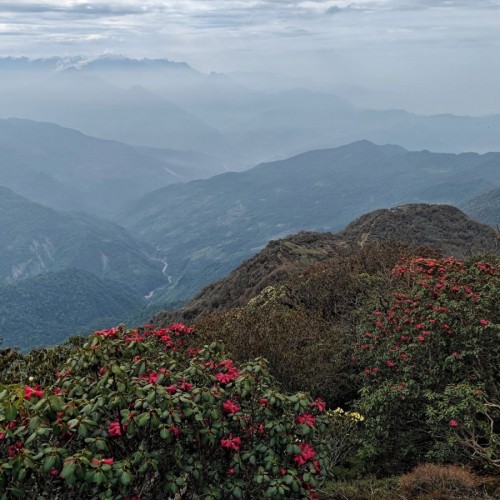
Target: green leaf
<point>125,478</point>
<point>68,470</point>
<point>82,431</point>
<point>49,462</point>
<point>142,419</point>
<point>10,412</point>
<point>30,438</point>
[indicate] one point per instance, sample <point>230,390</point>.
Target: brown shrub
<point>439,482</point>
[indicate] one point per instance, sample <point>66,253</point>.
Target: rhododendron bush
<point>149,413</point>
<point>431,359</point>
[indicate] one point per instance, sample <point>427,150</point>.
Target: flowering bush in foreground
<point>431,379</point>
<point>149,413</point>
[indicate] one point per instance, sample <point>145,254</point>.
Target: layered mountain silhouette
<point>66,169</point>
<point>162,104</point>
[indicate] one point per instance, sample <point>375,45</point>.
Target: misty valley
<point>228,286</point>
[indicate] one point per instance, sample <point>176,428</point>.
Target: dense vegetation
<point>45,310</point>
<point>404,340</point>
<point>153,413</point>
<point>436,226</point>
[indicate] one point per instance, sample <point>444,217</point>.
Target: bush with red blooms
<point>431,366</point>
<point>150,414</point>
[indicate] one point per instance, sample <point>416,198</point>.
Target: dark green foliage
<point>38,366</point>
<point>47,309</point>
<point>430,367</point>
<point>155,414</point>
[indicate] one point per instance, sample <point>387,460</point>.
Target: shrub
<point>152,413</point>
<point>431,367</point>
<point>306,327</point>
<point>439,481</point>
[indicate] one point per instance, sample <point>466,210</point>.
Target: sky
<point>426,56</point>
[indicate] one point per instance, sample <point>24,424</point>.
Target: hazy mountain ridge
<point>157,103</point>
<point>441,227</point>
<point>206,228</point>
<point>68,170</point>
<point>35,239</point>
<point>485,208</point>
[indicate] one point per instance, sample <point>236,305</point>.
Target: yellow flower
<point>356,416</point>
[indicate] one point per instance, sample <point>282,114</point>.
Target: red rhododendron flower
<point>14,449</point>
<point>230,406</point>
<point>231,443</point>
<point>319,404</point>
<point>453,423</point>
<point>390,363</point>
<point>174,430</point>
<point>306,453</point>
<point>115,429</point>
<point>484,322</point>
<point>29,392</point>
<point>231,471</point>
<point>54,472</point>
<point>150,378</point>
<point>185,386</point>
<point>306,419</point>
<point>263,401</point>
<point>10,425</point>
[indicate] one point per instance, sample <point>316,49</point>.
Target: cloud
<point>78,9</point>
<point>443,4</point>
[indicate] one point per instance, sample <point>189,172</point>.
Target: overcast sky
<point>427,56</point>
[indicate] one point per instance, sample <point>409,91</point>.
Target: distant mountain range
<point>35,239</point>
<point>206,228</point>
<point>161,104</point>
<point>440,227</point>
<point>68,170</point>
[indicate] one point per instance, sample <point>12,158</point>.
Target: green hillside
<point>47,309</point>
